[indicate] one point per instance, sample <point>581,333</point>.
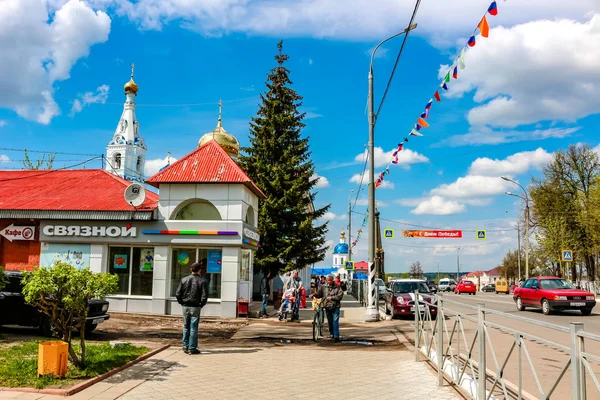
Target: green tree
<point>3,278</point>
<point>62,293</point>
<point>43,163</point>
<point>278,161</point>
<point>415,271</point>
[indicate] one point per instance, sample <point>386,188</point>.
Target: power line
<point>362,178</point>
<point>49,171</point>
<point>451,247</point>
<point>48,152</point>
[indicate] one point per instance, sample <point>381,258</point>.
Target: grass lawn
<point>18,363</point>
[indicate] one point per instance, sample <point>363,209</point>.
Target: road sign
<point>388,233</point>
<point>432,234</point>
<point>12,232</point>
<point>567,255</point>
<point>481,235</point>
<point>349,265</point>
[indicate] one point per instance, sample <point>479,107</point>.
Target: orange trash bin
<point>53,358</point>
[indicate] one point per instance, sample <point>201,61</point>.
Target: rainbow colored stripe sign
<point>178,232</point>
<point>250,242</point>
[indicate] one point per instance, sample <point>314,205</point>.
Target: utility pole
<point>438,274</point>
<point>526,237</point>
<point>519,249</point>
<point>350,226</point>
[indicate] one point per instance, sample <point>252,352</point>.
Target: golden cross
<point>132,70</point>
<point>220,109</point>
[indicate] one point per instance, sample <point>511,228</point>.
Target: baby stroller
<point>287,304</point>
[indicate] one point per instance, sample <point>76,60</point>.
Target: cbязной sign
<point>86,231</point>
<point>12,232</point>
<point>432,234</point>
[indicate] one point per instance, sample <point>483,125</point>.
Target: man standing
<point>192,294</point>
<point>332,295</point>
<point>265,290</point>
<point>296,284</point>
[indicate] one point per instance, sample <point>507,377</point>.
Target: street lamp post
<point>372,313</point>
<point>526,198</point>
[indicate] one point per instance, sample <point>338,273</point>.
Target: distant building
<point>482,278</point>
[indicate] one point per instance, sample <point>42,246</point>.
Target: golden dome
<point>227,141</point>
<point>131,87</point>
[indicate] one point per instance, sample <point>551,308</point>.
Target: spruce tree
<point>278,161</point>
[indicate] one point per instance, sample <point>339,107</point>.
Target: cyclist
<point>332,296</point>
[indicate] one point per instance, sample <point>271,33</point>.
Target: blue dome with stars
<point>341,248</point>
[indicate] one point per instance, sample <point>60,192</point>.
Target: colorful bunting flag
<point>425,114</point>
<point>423,122</point>
<point>484,27</point>
<point>455,73</point>
<point>429,103</point>
<point>418,127</point>
<point>437,96</point>
<point>471,42</point>
<point>447,78</point>
<point>415,133</point>
<point>461,59</point>
<point>444,86</point>
<point>493,9</point>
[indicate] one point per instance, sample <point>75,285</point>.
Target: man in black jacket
<point>265,291</point>
<point>192,294</point>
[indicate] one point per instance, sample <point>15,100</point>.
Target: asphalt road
<point>547,361</point>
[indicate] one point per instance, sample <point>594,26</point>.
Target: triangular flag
<point>400,146</point>
<point>461,59</point>
<point>395,153</point>
<point>493,9</point>
<point>415,133</point>
<point>418,127</point>
<point>429,103</point>
<point>405,139</point>
<point>444,86</point>
<point>423,122</point>
<point>447,78</point>
<point>471,42</point>
<point>484,27</point>
<point>425,114</point>
<point>455,73</point>
<point>395,160</point>
<point>437,96</point>
<point>387,170</point>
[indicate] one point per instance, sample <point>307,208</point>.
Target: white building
<point>340,256</point>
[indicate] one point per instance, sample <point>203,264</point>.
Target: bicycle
<point>318,318</point>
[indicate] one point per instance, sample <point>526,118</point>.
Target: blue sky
<point>527,90</point>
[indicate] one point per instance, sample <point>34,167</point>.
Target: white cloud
<point>544,70</point>
<point>356,178</point>
<point>484,135</point>
<point>405,158</point>
<point>90,98</point>
<point>356,19</point>
<point>39,49</point>
<point>153,166</point>
<point>365,202</point>
<point>437,205</point>
<point>4,158</point>
<point>515,164</point>
<point>310,61</point>
<point>312,115</point>
<point>473,186</point>
<point>3,123</point>
<point>329,216</point>
<point>322,182</point>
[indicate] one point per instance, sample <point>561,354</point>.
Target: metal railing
<point>469,370</point>
<point>359,289</point>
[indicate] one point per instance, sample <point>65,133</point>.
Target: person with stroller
<point>332,297</point>
<point>288,300</point>
<point>295,283</point>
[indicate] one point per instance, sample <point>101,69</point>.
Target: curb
<point>84,385</point>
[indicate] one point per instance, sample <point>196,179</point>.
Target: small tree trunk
<point>82,341</point>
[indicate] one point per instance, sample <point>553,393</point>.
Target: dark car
<point>432,286</point>
<point>400,297</point>
<point>490,287</point>
<point>14,310</point>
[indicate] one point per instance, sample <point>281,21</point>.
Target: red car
<point>465,287</point>
<point>400,297</point>
<point>553,294</point>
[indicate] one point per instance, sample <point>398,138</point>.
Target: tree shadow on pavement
<point>150,369</point>
<point>234,351</point>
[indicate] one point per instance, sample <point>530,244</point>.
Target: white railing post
<point>417,325</point>
<point>577,369</point>
<point>481,392</point>
<point>440,343</point>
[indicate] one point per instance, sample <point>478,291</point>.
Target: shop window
<point>182,260</point>
<point>246,265</point>
<point>198,210</point>
<point>135,268</point>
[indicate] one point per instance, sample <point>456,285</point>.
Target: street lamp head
<point>509,193</point>
<point>505,178</point>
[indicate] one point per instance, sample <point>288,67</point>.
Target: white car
<point>446,285</point>
<point>380,287</point>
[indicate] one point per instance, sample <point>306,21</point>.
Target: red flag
<point>437,96</point>
<point>484,27</point>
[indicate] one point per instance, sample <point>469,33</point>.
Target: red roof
<point>495,271</point>
<point>207,164</point>
<point>67,190</point>
<point>361,265</point>
<point>474,273</point>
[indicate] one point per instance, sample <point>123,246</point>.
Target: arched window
<point>342,260</point>
<point>197,210</point>
<point>335,260</point>
<point>117,161</point>
<point>138,165</point>
<point>250,216</point>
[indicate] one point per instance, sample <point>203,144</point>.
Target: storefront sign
<point>214,261</point>
<point>78,255</point>
<point>18,232</point>
<point>87,231</point>
<point>432,234</point>
<point>251,234</point>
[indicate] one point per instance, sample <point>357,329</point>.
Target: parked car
<point>380,287</point>
<point>14,310</point>
<point>400,297</point>
<point>466,286</point>
<point>432,286</point>
<point>447,285</point>
<point>490,287</point>
<point>502,286</point>
<point>551,293</point>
